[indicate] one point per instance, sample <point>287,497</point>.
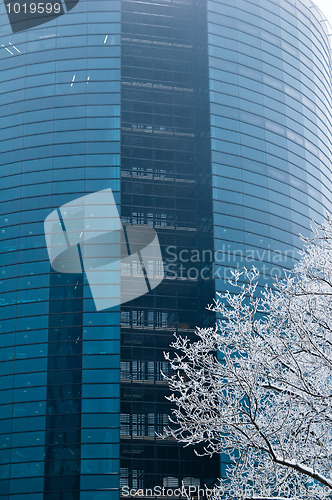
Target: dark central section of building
<point>165,183</point>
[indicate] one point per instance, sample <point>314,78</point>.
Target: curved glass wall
<point>263,67</point>
<point>59,140</point>
<point>270,103</point>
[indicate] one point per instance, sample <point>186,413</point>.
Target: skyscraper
<point>211,123</point>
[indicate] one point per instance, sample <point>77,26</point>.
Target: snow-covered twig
<point>258,387</point>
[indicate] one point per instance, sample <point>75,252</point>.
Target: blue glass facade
<point>60,139</point>
<point>270,103</point>
<point>210,122</point>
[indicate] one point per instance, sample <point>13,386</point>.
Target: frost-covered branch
<point>258,387</point>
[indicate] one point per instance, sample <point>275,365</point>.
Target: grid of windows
<point>165,184</point>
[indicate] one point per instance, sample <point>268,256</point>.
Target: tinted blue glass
<point>78,114</point>
<point>281,132</point>
<point>60,133</point>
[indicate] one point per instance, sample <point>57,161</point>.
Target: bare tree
<point>258,387</point>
